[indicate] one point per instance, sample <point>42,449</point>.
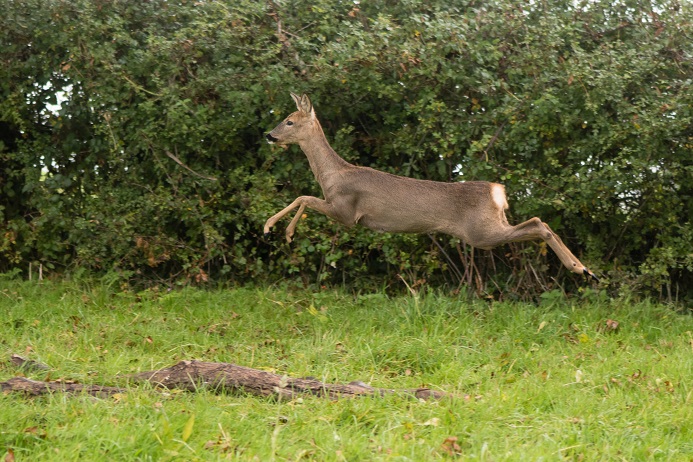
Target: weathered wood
<point>191,375</point>
<point>195,375</point>
<point>28,364</point>
<point>37,388</point>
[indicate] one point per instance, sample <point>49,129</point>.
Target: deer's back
<point>392,203</point>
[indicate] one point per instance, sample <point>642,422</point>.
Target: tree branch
<point>180,162</point>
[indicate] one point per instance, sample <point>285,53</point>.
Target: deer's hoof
<point>589,274</point>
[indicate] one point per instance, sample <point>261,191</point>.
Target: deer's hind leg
<point>301,202</point>
<point>532,230</point>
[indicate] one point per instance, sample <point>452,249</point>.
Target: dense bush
<point>131,135</point>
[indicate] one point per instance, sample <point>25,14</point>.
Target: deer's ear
<point>306,106</point>
<point>303,104</point>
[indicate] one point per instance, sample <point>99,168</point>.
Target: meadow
<point>585,378</point>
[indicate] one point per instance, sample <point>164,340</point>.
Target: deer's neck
<point>323,160</point>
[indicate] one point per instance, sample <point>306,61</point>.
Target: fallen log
<point>196,375</point>
<point>191,375</point>
<point>37,388</point>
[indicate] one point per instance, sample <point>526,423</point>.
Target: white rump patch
<point>498,195</point>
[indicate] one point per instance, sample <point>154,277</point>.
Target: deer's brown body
<point>473,211</point>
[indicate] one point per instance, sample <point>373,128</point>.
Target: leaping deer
<point>473,211</point>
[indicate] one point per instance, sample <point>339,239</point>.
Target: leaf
<point>451,447</point>
<point>10,455</point>
<point>284,381</point>
<point>611,325</point>
<point>36,431</point>
<point>541,326</point>
<point>188,429</point>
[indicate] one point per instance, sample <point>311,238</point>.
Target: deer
<point>473,211</point>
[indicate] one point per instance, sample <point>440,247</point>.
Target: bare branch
<point>180,162</point>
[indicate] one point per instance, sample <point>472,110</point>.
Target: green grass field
<point>559,381</point>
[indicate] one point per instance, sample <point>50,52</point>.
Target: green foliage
<point>583,110</point>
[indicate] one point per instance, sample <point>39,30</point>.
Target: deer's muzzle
<point>270,138</point>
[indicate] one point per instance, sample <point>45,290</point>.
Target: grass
<point>548,382</point>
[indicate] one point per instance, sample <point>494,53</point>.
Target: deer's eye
<point>288,122</point>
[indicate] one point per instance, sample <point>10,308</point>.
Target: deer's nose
<point>270,138</point>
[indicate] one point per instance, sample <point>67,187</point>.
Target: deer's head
<point>297,126</point>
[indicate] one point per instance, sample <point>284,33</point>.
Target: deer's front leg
<point>302,202</point>
<point>278,216</point>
